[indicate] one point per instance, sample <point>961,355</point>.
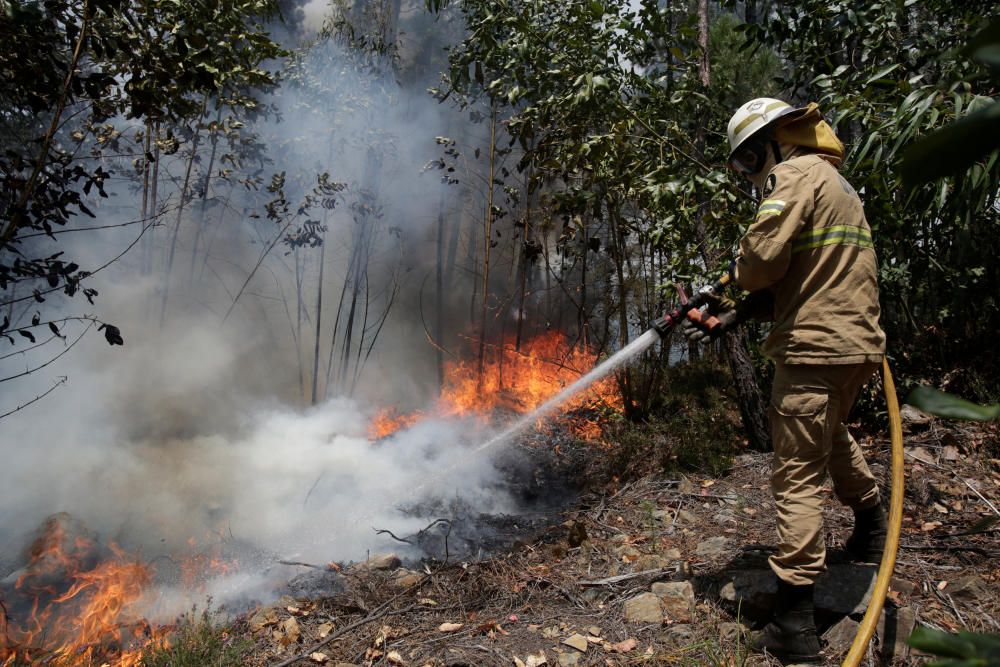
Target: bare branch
<point>390,534</point>
<point>97,270</point>
<point>61,381</point>
<point>53,359</point>
<point>28,349</point>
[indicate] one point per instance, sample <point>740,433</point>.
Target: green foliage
<point>199,641</point>
<point>615,127</point>
<point>956,147</point>
<point>946,405</point>
<point>71,72</point>
<point>965,649</point>
<point>739,75</point>
<point>888,73</point>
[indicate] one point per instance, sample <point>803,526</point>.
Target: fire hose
<point>691,309</point>
<point>868,623</point>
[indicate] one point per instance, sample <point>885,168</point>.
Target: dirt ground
<point>663,570</point>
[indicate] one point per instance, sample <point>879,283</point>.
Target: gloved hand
<point>720,306</point>
<point>696,332</point>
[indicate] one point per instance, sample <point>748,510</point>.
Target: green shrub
<point>695,426</point>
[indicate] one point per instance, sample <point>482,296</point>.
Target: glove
<point>696,332</point>
<point>719,304</point>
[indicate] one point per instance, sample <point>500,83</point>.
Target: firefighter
<point>808,258</point>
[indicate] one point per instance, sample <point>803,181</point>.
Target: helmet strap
<point>777,151</point>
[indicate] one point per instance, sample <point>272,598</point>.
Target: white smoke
<point>196,427</point>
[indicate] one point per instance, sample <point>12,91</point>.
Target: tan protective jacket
<point>811,247</point>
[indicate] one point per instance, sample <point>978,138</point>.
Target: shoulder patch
<point>769,185</point>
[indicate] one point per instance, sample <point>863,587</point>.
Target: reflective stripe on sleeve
<point>835,235</point>
<point>770,207</point>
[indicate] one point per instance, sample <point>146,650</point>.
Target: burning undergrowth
<point>75,601</point>
<point>161,523</point>
<point>516,379</point>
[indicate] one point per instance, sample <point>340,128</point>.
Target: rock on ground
<point>644,608</point>
<point>678,634</point>
<point>381,562</point>
<point>840,635</point>
<point>713,546</point>
<point>569,659</point>
<point>894,627</point>
<point>677,598</point>
<point>730,633</point>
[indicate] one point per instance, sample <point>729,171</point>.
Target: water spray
<point>689,309</point>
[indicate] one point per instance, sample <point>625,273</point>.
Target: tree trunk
<point>525,239</point>
<point>154,192</point>
<point>703,66</point>
<point>319,322</point>
<point>439,288</point>
<point>180,210</point>
<point>487,244</point>
<point>748,394</point>
<point>204,194</point>
<point>753,409</point>
<point>618,257</point>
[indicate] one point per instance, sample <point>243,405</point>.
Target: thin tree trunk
<point>336,321</point>
<point>525,239</point>
<point>319,321</point>
<point>204,193</point>
<point>618,253</point>
<point>153,194</point>
<point>473,254</point>
<point>147,248</point>
<point>349,333</point>
<point>749,397</point>
<point>299,274</point>
<point>215,231</point>
<point>581,314</point>
<point>487,241</point>
<point>364,332</point>
<point>703,66</point>
<point>439,287</point>
<point>180,212</point>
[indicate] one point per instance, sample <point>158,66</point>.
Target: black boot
<point>791,634</point>
<point>866,543</point>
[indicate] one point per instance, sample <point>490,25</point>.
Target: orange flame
<point>92,620</point>
<point>518,381</point>
<point>85,611</point>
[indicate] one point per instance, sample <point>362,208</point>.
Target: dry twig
<point>621,577</point>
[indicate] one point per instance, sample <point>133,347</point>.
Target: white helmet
<point>752,117</point>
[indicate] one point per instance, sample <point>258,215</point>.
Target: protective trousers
<point>809,404</point>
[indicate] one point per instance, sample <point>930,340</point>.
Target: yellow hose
<point>870,620</point>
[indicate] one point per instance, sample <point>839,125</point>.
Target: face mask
<point>768,162</point>
<point>750,158</point>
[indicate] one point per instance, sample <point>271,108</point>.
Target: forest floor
<point>666,569</point>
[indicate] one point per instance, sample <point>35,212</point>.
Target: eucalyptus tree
<point>609,104</point>
<point>93,87</point>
